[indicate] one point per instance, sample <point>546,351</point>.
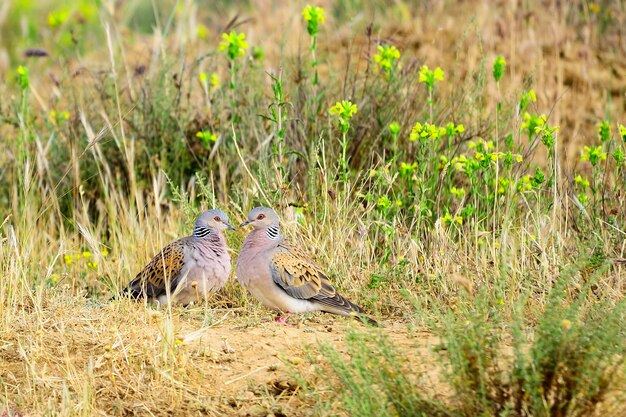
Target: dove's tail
<point>132,292</point>
<point>362,317</point>
<point>359,314</point>
<point>339,304</point>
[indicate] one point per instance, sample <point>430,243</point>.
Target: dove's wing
<point>299,277</point>
<point>163,270</point>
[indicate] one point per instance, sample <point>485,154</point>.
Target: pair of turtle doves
<point>278,274</point>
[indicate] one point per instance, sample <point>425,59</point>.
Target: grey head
<point>264,218</point>
<point>261,218</point>
<point>211,220</point>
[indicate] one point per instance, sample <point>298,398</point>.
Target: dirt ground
<point>129,359</point>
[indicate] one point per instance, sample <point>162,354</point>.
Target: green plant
<point>386,59</point>
<point>234,45</point>
<point>314,17</point>
<point>430,77</point>
<point>498,68</point>
<point>565,367</point>
<point>343,112</point>
<point>207,138</point>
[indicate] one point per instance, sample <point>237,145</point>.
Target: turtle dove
<point>187,269</point>
<point>283,277</point>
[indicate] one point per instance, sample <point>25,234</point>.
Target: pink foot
<point>282,319</point>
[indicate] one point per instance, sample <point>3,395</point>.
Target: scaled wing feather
<point>164,268</point>
<point>299,277</point>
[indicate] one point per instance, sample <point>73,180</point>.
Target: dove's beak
<point>230,226</point>
<point>247,222</point>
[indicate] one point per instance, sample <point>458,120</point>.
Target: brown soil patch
<point>125,359</point>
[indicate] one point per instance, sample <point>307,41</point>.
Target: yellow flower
<point>234,44</point>
<point>55,277</point>
<point>566,324</point>
<point>86,254</point>
<point>202,31</point>
<point>57,18</point>
<point>215,81</point>
<point>386,58</point>
<point>92,264</point>
<point>309,13</point>
<point>583,182</point>
<point>68,260</point>
<point>104,252</point>
<point>457,191</point>
<point>343,109</point>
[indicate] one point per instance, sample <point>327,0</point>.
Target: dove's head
<point>261,218</point>
<point>213,219</point>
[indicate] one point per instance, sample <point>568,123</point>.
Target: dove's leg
<point>282,319</point>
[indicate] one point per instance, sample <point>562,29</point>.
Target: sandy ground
<point>128,359</point>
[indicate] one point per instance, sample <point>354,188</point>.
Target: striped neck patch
<point>201,231</point>
<point>273,232</point>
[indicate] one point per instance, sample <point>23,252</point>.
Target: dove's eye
<point>260,217</point>
<point>217,219</point>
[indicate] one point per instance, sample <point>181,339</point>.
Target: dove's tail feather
<point>131,292</point>
<point>365,318</point>
<point>359,314</point>
<point>341,305</point>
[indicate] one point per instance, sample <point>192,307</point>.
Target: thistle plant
<point>429,78</point>
<point>386,60</point>
<point>343,111</point>
<point>234,45</point>
<point>313,16</point>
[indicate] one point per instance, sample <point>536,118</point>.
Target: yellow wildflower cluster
<point>386,58</point>
<point>448,219</point>
<point>71,259</point>
<point>525,184</point>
